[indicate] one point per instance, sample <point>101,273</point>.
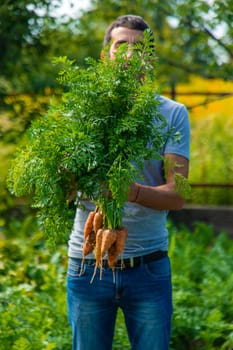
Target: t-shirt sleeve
<point>179,123</point>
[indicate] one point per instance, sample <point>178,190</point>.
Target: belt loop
<point>131,262</point>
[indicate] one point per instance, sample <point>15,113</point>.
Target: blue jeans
<point>143,293</point>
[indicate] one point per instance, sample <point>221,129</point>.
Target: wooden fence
<point>220,217</point>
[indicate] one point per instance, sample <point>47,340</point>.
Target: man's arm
<point>163,197</point>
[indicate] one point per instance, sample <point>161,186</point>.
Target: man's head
<point>126,29</point>
<point>127,21</point>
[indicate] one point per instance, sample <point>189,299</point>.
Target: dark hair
<point>127,21</point>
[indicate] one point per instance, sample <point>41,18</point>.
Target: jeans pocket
<point>158,269</point>
<point>75,268</point>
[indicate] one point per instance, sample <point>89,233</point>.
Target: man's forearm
<point>162,197</point>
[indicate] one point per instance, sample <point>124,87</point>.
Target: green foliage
<point>202,288</point>
<point>96,136</point>
<point>191,38</point>
<point>32,296</point>
<point>22,49</point>
<point>182,186</point>
<point>181,183</point>
<point>212,159</point>
<point>33,312</point>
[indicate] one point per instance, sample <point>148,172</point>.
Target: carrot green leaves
<point>94,141</point>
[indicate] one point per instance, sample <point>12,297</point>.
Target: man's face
<point>122,35</point>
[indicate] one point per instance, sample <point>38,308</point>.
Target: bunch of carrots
<point>102,241</point>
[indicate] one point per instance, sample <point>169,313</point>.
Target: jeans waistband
<point>131,262</point>
<point>140,260</point>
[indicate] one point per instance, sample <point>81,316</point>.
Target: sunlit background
<point>194,48</point>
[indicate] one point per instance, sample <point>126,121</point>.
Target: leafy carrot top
<point>94,141</point>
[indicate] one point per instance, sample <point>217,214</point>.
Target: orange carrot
<point>89,224</point>
<point>122,234</point>
<point>97,252</point>
<point>88,247</point>
<point>99,237</point>
<point>98,221</point>
<point>118,247</point>
<point>109,237</point>
<point>89,244</point>
<point>112,256</point>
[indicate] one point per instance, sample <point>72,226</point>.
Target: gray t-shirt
<point>147,230</point>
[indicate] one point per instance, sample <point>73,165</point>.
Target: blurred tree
<point>20,26</point>
<point>192,37</point>
<point>30,35</point>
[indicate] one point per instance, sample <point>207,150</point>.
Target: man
<point>142,289</point>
